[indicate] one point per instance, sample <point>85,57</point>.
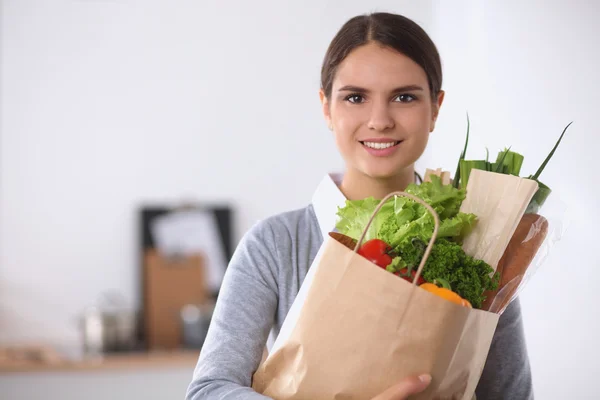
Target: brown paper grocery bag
<point>362,329</point>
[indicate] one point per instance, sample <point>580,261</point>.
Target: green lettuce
<point>354,216</point>
<point>401,220</point>
<point>457,227</point>
<point>445,199</point>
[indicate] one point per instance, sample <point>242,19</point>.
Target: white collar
<point>326,200</point>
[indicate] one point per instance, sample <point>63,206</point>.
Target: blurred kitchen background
<point>139,140</point>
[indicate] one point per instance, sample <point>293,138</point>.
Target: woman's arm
<point>507,373</point>
<point>242,319</point>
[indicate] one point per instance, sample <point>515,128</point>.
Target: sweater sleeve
<point>507,373</point>
<point>243,317</point>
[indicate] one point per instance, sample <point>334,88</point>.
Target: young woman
<point>381,93</point>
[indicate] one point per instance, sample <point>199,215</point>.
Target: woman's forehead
<point>375,67</point>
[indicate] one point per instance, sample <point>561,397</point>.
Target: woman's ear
<point>436,109</point>
<point>326,109</point>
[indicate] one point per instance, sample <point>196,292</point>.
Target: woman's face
<point>380,110</point>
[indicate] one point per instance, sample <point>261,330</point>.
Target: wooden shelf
<point>133,361</point>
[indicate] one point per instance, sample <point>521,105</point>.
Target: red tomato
<point>377,251</point>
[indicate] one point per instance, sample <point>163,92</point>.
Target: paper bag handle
<point>436,223</point>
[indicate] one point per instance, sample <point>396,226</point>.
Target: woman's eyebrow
<point>408,88</point>
<point>350,88</point>
<point>358,89</point>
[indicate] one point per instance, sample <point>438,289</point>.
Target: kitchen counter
<point>138,360</point>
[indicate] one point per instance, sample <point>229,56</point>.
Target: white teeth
<point>379,146</point>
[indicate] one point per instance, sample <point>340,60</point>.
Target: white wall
<point>524,70</point>
<point>105,104</point>
<point>108,104</point>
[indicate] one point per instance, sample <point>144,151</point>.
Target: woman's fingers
<point>405,388</point>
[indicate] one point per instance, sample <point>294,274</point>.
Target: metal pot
<point>111,327</point>
<point>105,332</point>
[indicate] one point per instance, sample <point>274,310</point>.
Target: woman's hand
<point>401,391</point>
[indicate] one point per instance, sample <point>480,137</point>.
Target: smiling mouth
<point>380,145</point>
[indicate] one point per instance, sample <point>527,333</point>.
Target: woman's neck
<point>357,186</point>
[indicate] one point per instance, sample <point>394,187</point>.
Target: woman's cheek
<point>350,119</point>
<point>417,122</point>
<point>343,121</point>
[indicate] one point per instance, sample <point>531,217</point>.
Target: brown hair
<point>391,30</point>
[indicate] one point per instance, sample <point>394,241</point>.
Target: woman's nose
<point>380,118</point>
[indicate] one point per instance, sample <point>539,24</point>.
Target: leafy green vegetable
<point>353,218</point>
<point>457,227</point>
<point>394,234</point>
<point>401,219</point>
<point>406,225</point>
<point>396,265</point>
<point>444,199</point>
<point>468,277</point>
<point>411,251</point>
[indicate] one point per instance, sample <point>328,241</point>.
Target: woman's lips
<point>379,147</point>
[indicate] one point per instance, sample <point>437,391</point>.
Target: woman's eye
<point>405,98</point>
<point>355,98</point>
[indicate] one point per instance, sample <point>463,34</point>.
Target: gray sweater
<point>260,285</point>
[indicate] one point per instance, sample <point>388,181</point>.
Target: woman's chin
<point>385,171</point>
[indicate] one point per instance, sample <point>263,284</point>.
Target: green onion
<point>507,162</point>
<point>539,198</point>
<point>499,165</point>
<point>465,169</point>
<point>541,168</point>
<point>512,161</point>
<point>462,156</point>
